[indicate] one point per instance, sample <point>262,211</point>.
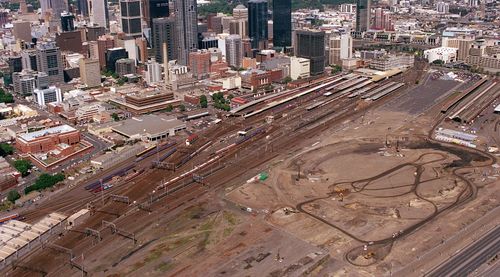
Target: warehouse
<point>149,127</point>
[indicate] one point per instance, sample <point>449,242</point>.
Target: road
<point>472,257</point>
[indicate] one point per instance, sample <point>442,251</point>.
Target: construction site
<point>348,175</point>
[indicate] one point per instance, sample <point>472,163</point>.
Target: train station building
<point>149,127</point>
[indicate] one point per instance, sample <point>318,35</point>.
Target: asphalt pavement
<point>471,258</point>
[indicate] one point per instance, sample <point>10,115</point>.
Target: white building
<point>153,73</point>
<point>49,95</point>
<point>442,7</point>
<point>340,48</point>
<point>446,54</point>
<point>299,68</point>
<point>97,12</point>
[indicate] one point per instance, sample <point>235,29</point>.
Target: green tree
<point>44,181</point>
<point>115,116</point>
<point>438,62</point>
<point>169,108</point>
<point>287,79</point>
<point>6,97</point>
<point>336,69</point>
<point>13,195</point>
<point>182,108</point>
<point>23,166</point>
<point>6,149</point>
<point>203,101</point>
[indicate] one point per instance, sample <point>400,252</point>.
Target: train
<point>150,153</point>
<point>120,172</point>
<point>145,151</point>
<point>9,217</point>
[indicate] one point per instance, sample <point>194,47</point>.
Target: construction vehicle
<point>369,255</point>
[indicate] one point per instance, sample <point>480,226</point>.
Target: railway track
<point>280,142</point>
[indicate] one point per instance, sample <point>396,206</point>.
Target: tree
<point>336,69</point>
<point>438,62</point>
<point>6,149</point>
<point>13,195</point>
<point>203,101</point>
<point>169,108</point>
<point>115,116</point>
<point>44,181</point>
<point>287,79</point>
<point>6,97</point>
<point>182,108</point>
<point>23,166</point>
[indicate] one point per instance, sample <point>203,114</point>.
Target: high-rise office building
<point>54,7</point>
<point>164,32</point>
<point>362,15</point>
<point>234,51</point>
<point>83,7</point>
<point>240,12</point>
<point>98,13</point>
<point>155,9</point>
<point>89,72</point>
<point>282,23</point>
<point>340,48</point>
<point>49,60</point>
<point>239,27</point>
<point>257,23</point>
<point>186,29</point>
<point>310,44</point>
<point>67,22</point>
<point>113,55</point>
<point>382,20</point>
<point>103,44</point>
<point>130,11</point>
<point>153,72</point>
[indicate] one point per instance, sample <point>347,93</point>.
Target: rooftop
<point>50,131</point>
<point>147,124</point>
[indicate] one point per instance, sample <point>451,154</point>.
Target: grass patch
<point>164,266</point>
<point>208,225</point>
<point>227,231</point>
<point>229,217</point>
<point>155,254</point>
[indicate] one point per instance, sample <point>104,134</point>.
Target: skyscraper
<point>234,51</point>
<point>83,7</point>
<point>257,23</point>
<point>340,48</point>
<point>89,69</point>
<point>155,9</point>
<point>310,44</point>
<point>282,23</point>
<point>362,15</point>
<point>98,12</point>
<point>67,22</point>
<point>49,60</point>
<point>55,7</point>
<point>130,11</point>
<point>164,32</point>
<point>186,28</point>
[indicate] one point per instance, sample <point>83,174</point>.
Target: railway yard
<point>346,176</point>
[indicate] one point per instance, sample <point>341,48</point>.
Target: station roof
<point>147,124</point>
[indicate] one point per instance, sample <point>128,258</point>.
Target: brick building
<point>199,62</point>
<point>255,79</point>
<point>46,140</point>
